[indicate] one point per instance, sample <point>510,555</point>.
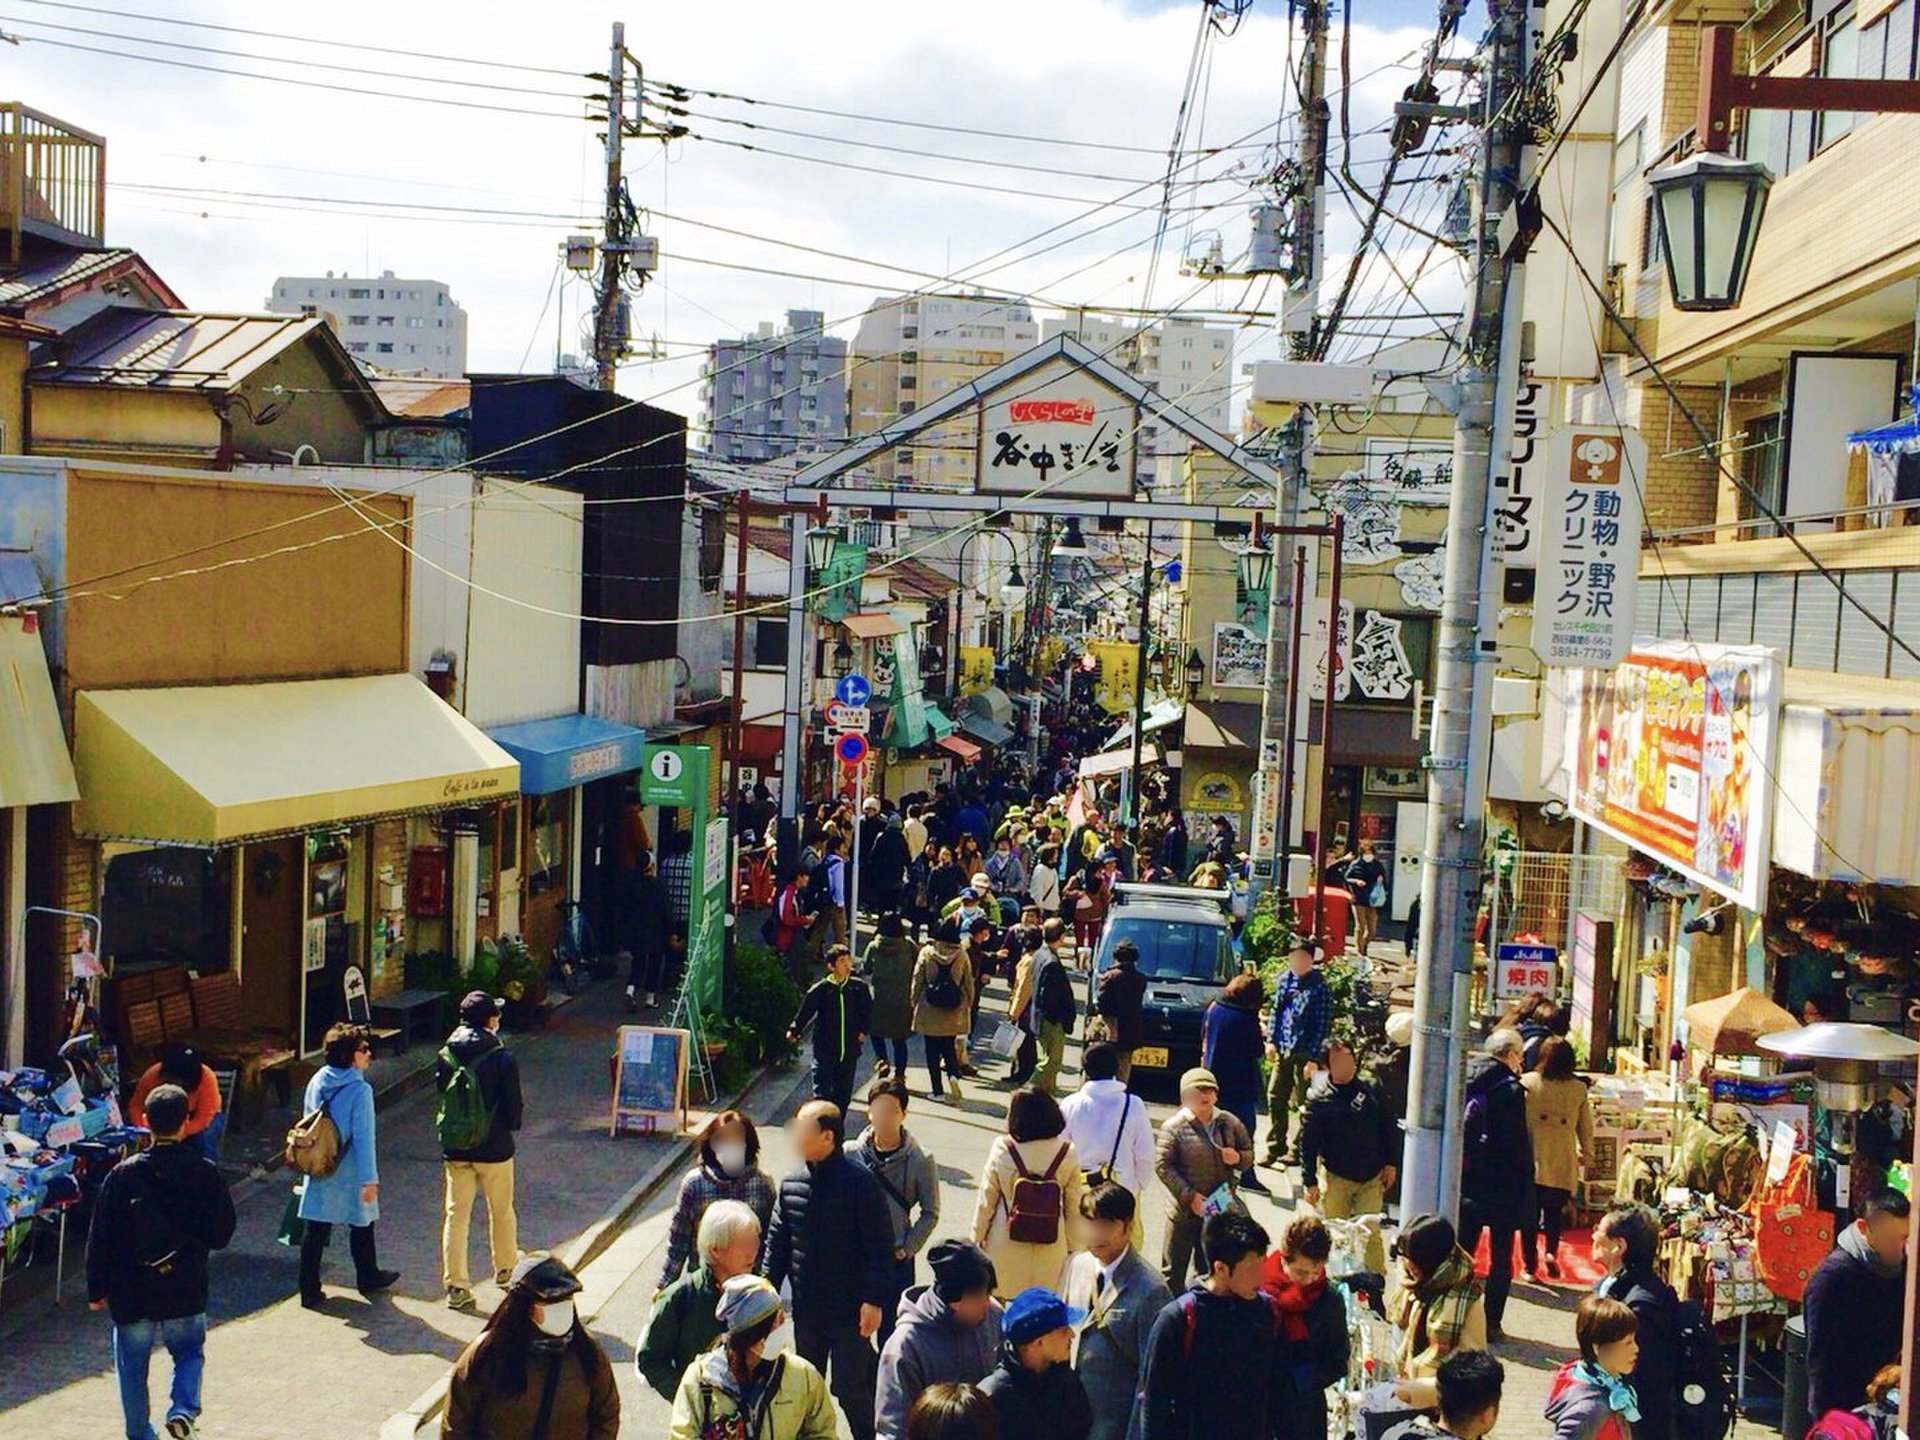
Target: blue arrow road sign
<point>853,690</point>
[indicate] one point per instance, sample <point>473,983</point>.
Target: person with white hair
<point>682,1323</point>
<point>1496,1183</point>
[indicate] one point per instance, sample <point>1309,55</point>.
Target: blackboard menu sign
<point>649,1079</point>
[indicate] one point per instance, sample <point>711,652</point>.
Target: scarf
<point>1294,1301</point>
<point>1434,1313</point>
<point>1620,1397</point>
<point>1854,1241</point>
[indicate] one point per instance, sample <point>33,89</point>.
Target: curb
<point>593,1242</point>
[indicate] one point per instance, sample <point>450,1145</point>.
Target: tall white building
<point>1188,361</point>
<point>407,327</point>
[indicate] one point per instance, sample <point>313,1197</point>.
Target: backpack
<point>943,992</point>
<point>1189,1323</point>
<point>462,1118</point>
<point>1703,1400</point>
<point>154,1241</point>
<point>819,891</point>
<point>1055,998</point>
<point>1033,1217</point>
<point>313,1144</point>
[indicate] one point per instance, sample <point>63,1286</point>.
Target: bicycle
<point>1371,1341</point>
<point>573,949</point>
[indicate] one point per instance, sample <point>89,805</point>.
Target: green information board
<point>680,776</point>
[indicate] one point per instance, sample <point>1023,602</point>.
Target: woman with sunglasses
<point>351,1194</point>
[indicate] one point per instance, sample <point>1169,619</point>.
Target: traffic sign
<point>849,717</point>
<point>851,748</point>
<point>852,690</point>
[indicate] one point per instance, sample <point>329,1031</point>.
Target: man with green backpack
<point>478,1110</point>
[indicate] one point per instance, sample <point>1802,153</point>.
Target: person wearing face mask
<point>1590,1398</point>
<point>534,1372</point>
<point>682,1323</point>
<point>728,1169</point>
<point>735,1391</point>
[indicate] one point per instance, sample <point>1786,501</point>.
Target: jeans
<point>833,1080</point>
<point>133,1345</point>
<point>940,1055</point>
<point>207,1142</point>
<point>492,1181</point>
<point>366,1263</point>
<point>855,1369</point>
<point>1286,1090</point>
<point>899,1047</point>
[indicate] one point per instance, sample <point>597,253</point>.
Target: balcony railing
<point>53,180</point>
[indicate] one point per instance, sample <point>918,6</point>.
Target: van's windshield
<point>1190,950</point>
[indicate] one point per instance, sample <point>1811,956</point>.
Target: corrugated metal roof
<point>416,398</point>
<point>172,349</point>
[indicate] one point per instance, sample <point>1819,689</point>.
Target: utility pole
<point>1287,599</point>
<point>1469,628</point>
<point>624,252</point>
<point>1140,692</point>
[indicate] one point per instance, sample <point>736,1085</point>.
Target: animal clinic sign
<point>1058,431</point>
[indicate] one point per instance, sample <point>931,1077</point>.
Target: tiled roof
<point>47,274</point>
<point>172,349</point>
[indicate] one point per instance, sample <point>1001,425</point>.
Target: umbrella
<point>1730,1024</point>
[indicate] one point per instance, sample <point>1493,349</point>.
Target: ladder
<point>685,1015</point>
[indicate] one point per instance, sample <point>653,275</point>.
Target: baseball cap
<point>1036,1312</point>
<point>548,1278</point>
<point>980,881</point>
<point>479,1007</point>
<point>1198,1078</point>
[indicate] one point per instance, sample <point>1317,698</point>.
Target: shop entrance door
<point>272,906</point>
<point>1410,839</point>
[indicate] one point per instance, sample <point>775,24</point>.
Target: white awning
<point>1849,779</point>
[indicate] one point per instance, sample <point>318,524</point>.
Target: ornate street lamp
<point>1256,567</point>
<point>821,545</point>
<point>1196,671</point>
<point>1071,545</point>
<point>842,658</point>
<point>1013,591</point>
<point>1710,209</point>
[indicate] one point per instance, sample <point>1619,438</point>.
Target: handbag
<point>1791,1235</point>
<point>293,1230</point>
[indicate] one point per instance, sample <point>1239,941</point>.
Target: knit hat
<point>980,881</point>
<point>960,1268</point>
<point>745,1301</point>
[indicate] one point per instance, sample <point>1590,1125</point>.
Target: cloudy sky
<point>416,158</point>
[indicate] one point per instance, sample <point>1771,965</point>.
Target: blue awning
<point>568,750</point>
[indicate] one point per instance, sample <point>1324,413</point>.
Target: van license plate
<point>1150,1057</point>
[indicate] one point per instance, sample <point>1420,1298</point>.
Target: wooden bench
<point>408,1010</point>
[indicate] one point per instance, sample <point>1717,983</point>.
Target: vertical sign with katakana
<point>1590,550</point>
<point>1520,499</point>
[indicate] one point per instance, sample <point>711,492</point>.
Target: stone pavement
<point>361,1360</point>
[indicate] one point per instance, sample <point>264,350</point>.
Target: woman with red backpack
<point>1029,1195</point>
<point>1590,1398</point>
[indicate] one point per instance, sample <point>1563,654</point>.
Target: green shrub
<point>434,970</point>
<point>1268,932</point>
<point>761,999</point>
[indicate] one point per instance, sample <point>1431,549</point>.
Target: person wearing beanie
<point>534,1346</point>
<point>181,1065</point>
<point>158,1215</point>
<point>735,1389</point>
<point>945,1333</point>
<point>1036,1394</point>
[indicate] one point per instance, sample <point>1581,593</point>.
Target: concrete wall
<point>136,426</point>
<point>523,652</point>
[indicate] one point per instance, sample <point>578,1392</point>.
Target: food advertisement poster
<point>1674,753</point>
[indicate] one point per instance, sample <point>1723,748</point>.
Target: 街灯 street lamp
<point>1071,545</point>
<point>1710,209</point>
<point>842,658</point>
<point>1256,568</point>
<point>1196,671</point>
<point>1013,591</point>
<point>822,543</point>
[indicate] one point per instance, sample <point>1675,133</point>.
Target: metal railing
<point>53,179</point>
<point>1538,892</point>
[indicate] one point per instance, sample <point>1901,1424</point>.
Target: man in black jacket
<point>1627,1241</point>
<point>485,1169</point>
<point>840,1010</point>
<point>1349,1144</point>
<point>831,1239</point>
<point>1856,1304</point>
<point>1496,1182</point>
<point>158,1215</point>
<point>652,920</point>
<point>1120,997</point>
<point>1035,1391</point>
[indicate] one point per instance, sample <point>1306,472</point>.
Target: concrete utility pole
<point>1274,779</point>
<point>624,251</point>
<point>1469,630</point>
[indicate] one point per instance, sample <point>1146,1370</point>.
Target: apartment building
<point>1186,360</point>
<point>912,349</point>
<point>775,393</point>
<point>404,327</point>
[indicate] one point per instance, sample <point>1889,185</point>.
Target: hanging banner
<point>1673,750</point>
<point>1412,472</point>
<point>839,584</point>
<point>1589,576</point>
<point>1520,506</point>
<point>1119,662</point>
<point>976,669</point>
<point>1058,431</point>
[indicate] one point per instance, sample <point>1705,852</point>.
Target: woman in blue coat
<point>351,1194</point>
<point>1231,1046</point>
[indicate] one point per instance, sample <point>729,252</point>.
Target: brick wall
<point>1682,480</point>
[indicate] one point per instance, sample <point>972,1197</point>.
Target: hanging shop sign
<point>1673,752</point>
<point>1525,970</point>
<point>1524,516</point>
<point>976,669</point>
<point>1119,662</point>
<point>1239,656</point>
<point>1059,431</point>
<point>1590,494</point>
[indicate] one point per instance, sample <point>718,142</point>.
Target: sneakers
<point>633,1005</point>
<point>882,1069</point>
<point>503,1278</point>
<point>378,1281</point>
<point>1251,1181</point>
<point>461,1298</point>
<point>1553,1267</point>
<point>653,1000</point>
<point>181,1427</point>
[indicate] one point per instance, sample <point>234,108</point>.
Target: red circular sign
<point>851,748</point>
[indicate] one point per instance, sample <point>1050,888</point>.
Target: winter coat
<point>841,1014</point>
<point>1855,1310</point>
<point>1213,1370</point>
<point>1188,1159</point>
<point>348,1099</point>
<point>1049,1404</point>
<point>1053,997</point>
<point>681,1327</point>
<point>1111,1348</point>
<point>1561,1126</point>
<point>929,1346</point>
<point>832,1240</point>
<point>1018,1264</point>
<point>889,963</point>
<point>586,1403</point>
<point>1120,1000</point>
<point>699,1188</point>
<point>652,915</point>
<point>944,883</point>
<point>1578,1409</point>
<point>1110,1126</point>
<point>1349,1129</point>
<point>1497,1174</point>
<point>931,1019</point>
<point>1230,1046</point>
<point>1449,1298</point>
<point>885,872</point>
<point>499,1076</point>
<point>169,1200</point>
<point>796,1404</point>
<point>910,1173</point>
<point>1657,1308</point>
<point>1308,1366</point>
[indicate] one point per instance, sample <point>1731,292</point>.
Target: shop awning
<point>939,724</point>
<point>1849,753</point>
<point>35,768</point>
<point>872,625</point>
<point>1223,726</point>
<point>954,745</point>
<point>1115,762</point>
<point>990,732</point>
<point>1160,714</point>
<point>567,750</point>
<point>216,764</point>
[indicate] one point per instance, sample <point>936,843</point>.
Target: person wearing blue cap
<point>1035,1393</point>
